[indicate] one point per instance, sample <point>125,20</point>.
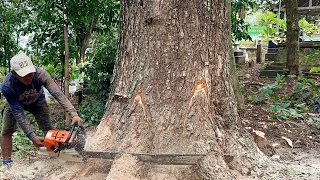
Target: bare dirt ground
<point>301,161</point>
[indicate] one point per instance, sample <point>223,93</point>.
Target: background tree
<point>172,89</point>
<point>98,68</point>
<point>84,20</point>
<point>239,28</point>
<point>11,18</point>
<point>87,17</point>
<point>266,4</point>
<point>292,43</point>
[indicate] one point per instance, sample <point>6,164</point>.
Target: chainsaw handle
<point>71,132</point>
<point>66,142</point>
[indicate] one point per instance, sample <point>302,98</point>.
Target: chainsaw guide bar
<point>165,159</point>
<point>69,145</point>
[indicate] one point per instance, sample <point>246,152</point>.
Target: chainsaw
<point>63,143</point>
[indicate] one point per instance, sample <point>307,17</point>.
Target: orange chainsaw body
<point>54,138</point>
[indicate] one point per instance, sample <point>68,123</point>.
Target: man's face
<point>26,80</point>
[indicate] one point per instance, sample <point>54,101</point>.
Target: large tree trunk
<point>293,63</point>
<point>172,90</point>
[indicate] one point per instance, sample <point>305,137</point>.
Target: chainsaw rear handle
<point>66,142</point>
<point>71,131</point>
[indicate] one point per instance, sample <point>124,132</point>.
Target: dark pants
<point>40,110</point>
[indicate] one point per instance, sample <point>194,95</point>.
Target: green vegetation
<point>98,69</point>
<point>290,171</point>
<point>268,91</point>
<point>315,70</point>
<point>292,105</point>
<point>239,28</point>
<point>92,40</point>
<point>91,111</point>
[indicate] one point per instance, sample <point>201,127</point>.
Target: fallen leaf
<point>259,133</point>
<point>275,144</point>
<point>260,139</point>
<point>288,141</point>
<point>291,171</point>
<point>275,156</point>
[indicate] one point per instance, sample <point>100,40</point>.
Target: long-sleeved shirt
<point>19,95</point>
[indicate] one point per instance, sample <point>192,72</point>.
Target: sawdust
<point>97,140</point>
<point>126,167</point>
<point>292,163</point>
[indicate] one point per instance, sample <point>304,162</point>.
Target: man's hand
<point>78,120</point>
<point>37,141</point>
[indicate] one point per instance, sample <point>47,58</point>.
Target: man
<point>23,90</point>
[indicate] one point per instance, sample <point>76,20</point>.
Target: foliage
<point>311,58</point>
<point>268,91</point>
<point>307,28</point>
<point>292,105</point>
<point>315,70</point>
<point>266,4</point>
<point>290,171</point>
<point>305,90</point>
<point>91,111</point>
<point>239,28</point>
<point>269,20</point>
<point>44,28</point>
<point>55,72</point>
<point>99,66</point>
<point>301,100</point>
<point>314,121</point>
<point>284,110</point>
<point>11,18</point>
<point>21,145</point>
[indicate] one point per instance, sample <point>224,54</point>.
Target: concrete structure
<point>306,7</point>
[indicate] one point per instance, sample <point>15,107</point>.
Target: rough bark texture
<point>293,63</point>
<point>172,89</point>
<point>66,60</point>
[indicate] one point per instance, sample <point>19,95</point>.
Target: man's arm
<point>56,92</point>
<point>18,112</point>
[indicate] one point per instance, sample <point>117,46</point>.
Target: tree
<point>172,90</point>
<point>266,4</point>
<point>239,28</point>
<point>87,17</point>
<point>292,43</point>
<point>9,31</point>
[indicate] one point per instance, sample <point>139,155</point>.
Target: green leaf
<point>291,171</point>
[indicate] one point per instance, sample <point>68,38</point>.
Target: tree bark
<point>172,90</point>
<point>293,63</point>
<point>66,59</point>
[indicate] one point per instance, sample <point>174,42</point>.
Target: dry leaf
<point>259,133</point>
<point>275,144</point>
<point>260,139</point>
<point>288,141</point>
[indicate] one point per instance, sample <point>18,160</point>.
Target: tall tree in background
<point>172,89</point>
<point>83,19</point>
<point>292,43</point>
<point>239,28</point>
<point>87,17</point>
<point>66,54</point>
<point>11,17</point>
